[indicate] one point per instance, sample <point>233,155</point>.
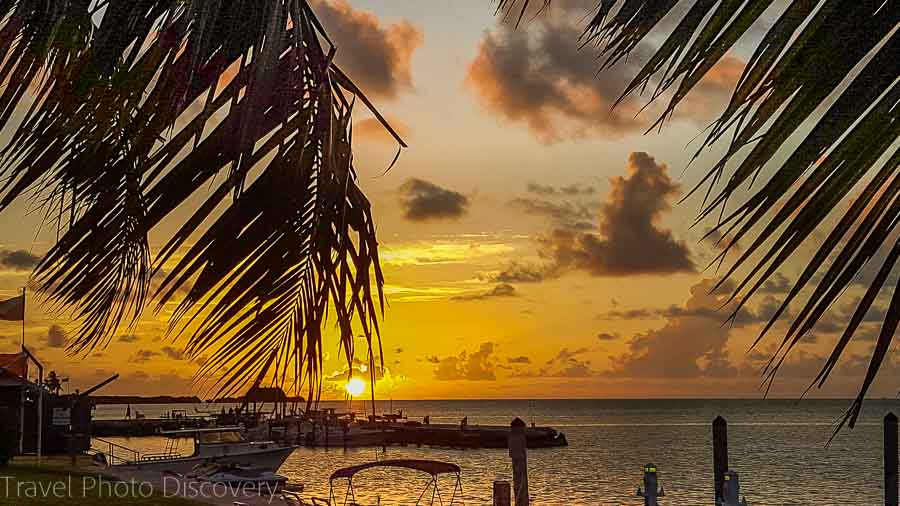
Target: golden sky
<point>532,240</point>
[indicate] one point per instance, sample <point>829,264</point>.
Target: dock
<point>381,434</point>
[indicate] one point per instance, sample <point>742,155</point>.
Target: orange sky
<point>531,238</point>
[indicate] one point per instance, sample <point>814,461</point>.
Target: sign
<point>62,416</point>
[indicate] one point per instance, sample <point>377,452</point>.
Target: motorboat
<point>222,446</point>
<point>238,476</point>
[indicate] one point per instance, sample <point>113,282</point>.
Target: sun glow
<point>355,387</point>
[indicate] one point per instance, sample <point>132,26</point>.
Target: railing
<point>125,455</point>
<point>154,457</point>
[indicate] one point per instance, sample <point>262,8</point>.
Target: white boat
<point>223,445</point>
<point>239,476</point>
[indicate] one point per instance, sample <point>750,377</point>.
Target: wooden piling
<point>720,455</point>
<point>502,494</point>
<point>518,450</point>
<point>891,483</point>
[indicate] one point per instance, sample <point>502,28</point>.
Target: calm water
<point>778,447</point>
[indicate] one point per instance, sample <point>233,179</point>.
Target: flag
<point>13,309</point>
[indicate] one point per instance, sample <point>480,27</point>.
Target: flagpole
<point>23,318</point>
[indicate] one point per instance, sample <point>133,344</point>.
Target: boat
<point>238,476</point>
<point>431,467</point>
<point>222,445</point>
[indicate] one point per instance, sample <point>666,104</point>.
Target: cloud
<point>502,290</point>
<point>777,283</point>
<point>606,336</point>
<point>544,78</point>
<point>518,272</point>
<point>539,77</point>
<point>424,201</point>
<point>565,364</point>
<point>377,57</point>
<point>572,215</point>
<point>128,338</point>
<point>571,190</point>
<point>56,337</point>
<point>477,366</point>
<point>19,260</point>
<point>518,360</point>
<point>173,353</point>
<point>142,356</point>
<point>630,241</point>
<point>689,345</point>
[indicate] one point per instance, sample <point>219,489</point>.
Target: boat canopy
<point>432,467</point>
<point>191,432</point>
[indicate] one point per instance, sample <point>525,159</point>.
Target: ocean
<point>779,447</point>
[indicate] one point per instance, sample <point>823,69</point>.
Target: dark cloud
<point>544,78</point>
<point>566,364</point>
<point>629,241</point>
<point>56,337</point>
<point>398,351</point>
<point>518,360</point>
<point>777,283</point>
<point>377,57</point>
<point>523,273</point>
<point>142,356</point>
<point>502,290</point>
<point>572,215</point>
<point>606,336</point>
<point>476,366</point>
<point>173,353</point>
<point>128,338</point>
<point>424,201</point>
<point>19,260</point>
<point>572,190</point>
<point>540,78</point>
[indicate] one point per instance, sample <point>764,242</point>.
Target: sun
<point>356,387</point>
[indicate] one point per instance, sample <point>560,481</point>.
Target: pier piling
<point>891,483</point>
<point>502,494</point>
<point>518,450</point>
<point>720,455</point>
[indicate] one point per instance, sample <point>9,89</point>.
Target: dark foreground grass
<point>52,486</point>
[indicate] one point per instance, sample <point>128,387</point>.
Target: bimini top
<point>431,467</point>
<point>189,432</point>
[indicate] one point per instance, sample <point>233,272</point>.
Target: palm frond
<point>831,64</point>
<point>134,107</point>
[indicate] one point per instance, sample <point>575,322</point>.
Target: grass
<point>21,484</point>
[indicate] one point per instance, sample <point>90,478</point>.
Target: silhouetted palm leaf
<point>137,105</point>
<point>823,88</point>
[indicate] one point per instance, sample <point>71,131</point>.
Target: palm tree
<point>821,92</point>
<point>135,111</point>
<point>126,109</point>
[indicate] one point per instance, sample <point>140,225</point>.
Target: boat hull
<point>269,459</point>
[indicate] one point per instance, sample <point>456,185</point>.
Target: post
<point>651,488</point>
<point>890,460</point>
<point>720,455</point>
<point>40,422</point>
<point>518,452</point>
<point>502,493</point>
<point>22,420</point>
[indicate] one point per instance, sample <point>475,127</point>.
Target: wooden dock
<point>366,434</point>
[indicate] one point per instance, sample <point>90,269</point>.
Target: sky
<point>533,238</point>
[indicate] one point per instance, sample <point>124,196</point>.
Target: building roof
<point>13,366</point>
